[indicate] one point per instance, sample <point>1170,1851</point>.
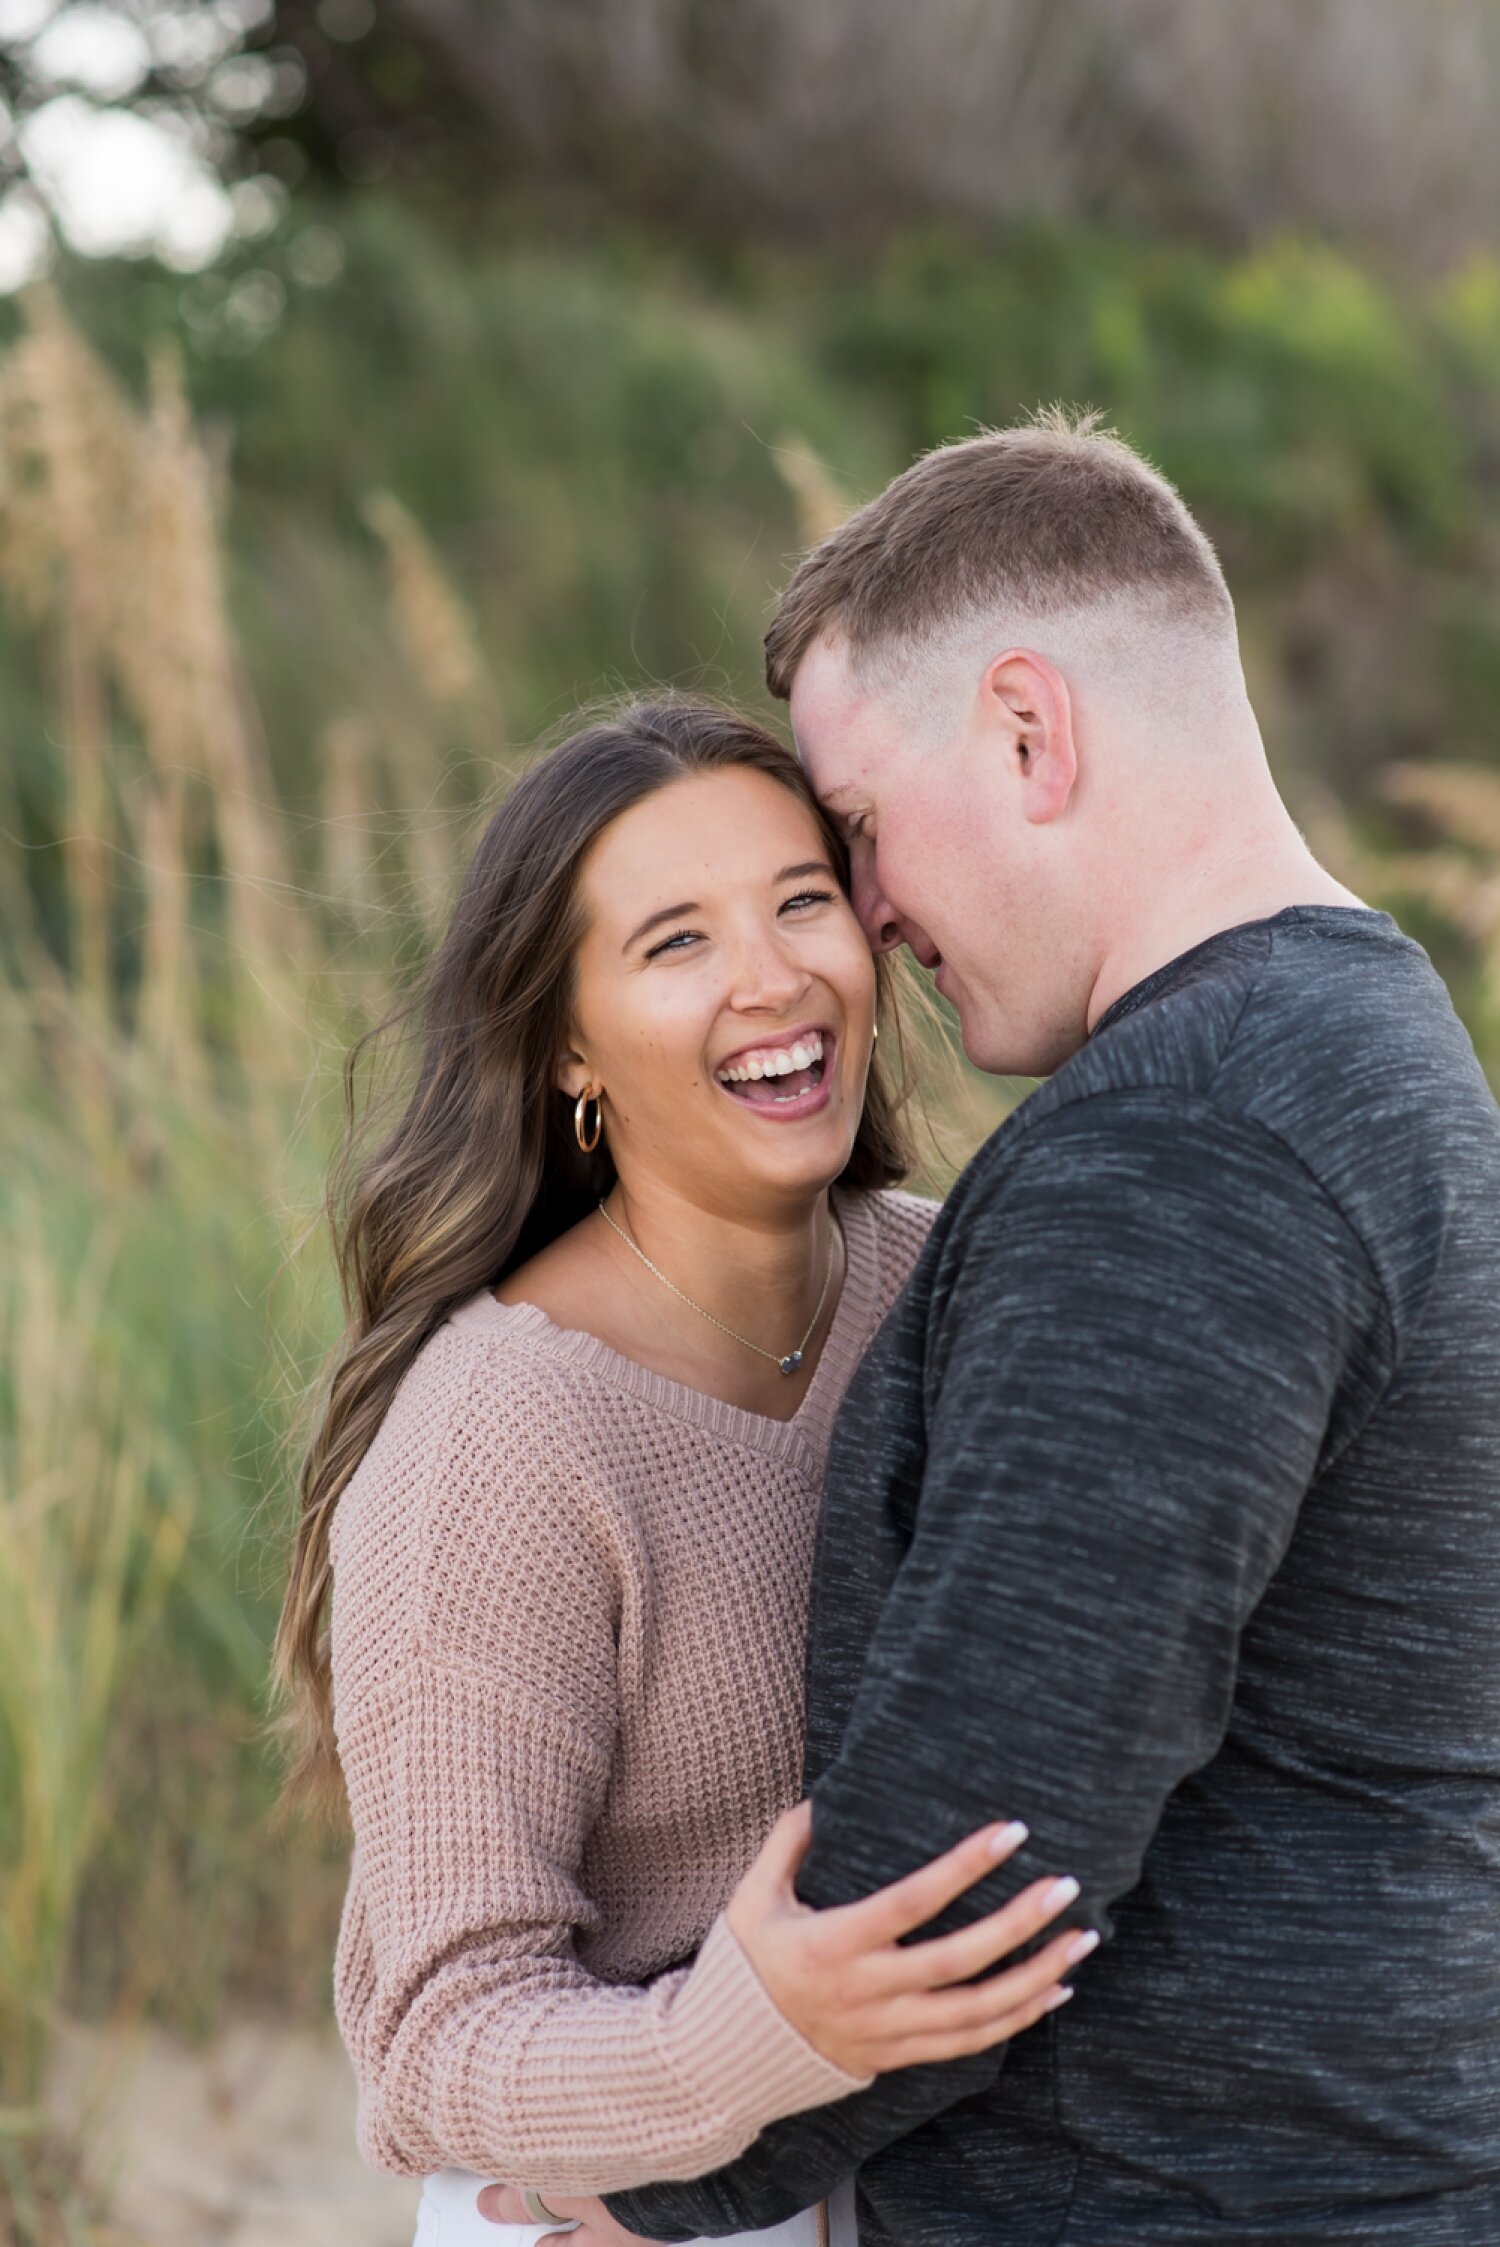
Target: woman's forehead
<point>734,824</point>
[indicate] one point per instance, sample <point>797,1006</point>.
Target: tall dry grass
<point>94,1519</point>
<point>184,965</point>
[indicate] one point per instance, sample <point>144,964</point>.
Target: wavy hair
<point>482,1169</point>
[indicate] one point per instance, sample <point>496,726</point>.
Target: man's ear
<point>1029,698</point>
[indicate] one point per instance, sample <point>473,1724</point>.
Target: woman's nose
<point>767,973</point>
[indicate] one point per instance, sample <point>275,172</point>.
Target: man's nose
<point>873,910</point>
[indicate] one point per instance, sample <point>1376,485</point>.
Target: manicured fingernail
<point>1058,1997</point>
<point>1088,1941</point>
<point>1060,1894</point>
<point>1008,1838</point>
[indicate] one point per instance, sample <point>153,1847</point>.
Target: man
<point>1165,1515</point>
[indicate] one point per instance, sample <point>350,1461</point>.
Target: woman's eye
<point>681,938</point>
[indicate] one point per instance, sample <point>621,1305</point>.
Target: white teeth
<point>776,1061</point>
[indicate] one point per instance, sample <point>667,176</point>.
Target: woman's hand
<point>503,2205</point>
<point>863,2000</point>
<point>869,2003</point>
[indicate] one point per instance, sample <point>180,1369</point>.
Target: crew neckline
<point>1141,993</point>
<point>808,1427</point>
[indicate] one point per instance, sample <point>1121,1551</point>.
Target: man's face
<point>944,860</point>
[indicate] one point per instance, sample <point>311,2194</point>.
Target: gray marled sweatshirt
<point>1165,1515</point>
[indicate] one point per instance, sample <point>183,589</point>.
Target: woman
<point>609,1275</point>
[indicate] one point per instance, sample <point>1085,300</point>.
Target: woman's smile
<point>785,1077</point>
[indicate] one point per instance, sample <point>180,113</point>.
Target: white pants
<point>449,2217</point>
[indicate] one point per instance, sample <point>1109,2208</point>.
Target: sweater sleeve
<point>1146,1334</point>
<point>476,1759</point>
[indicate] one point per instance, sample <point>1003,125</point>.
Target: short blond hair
<point>1057,513</point>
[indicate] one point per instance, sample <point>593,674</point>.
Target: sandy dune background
<point>247,2141</point>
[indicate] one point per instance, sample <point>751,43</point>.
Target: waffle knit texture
<point>568,1622</point>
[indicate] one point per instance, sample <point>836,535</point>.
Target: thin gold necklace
<point>793,1359</point>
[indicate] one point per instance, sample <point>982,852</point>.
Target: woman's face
<point>725,993</point>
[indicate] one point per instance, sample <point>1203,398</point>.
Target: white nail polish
<point>1081,1946</point>
<point>1060,1895</point>
<point>1008,1838</point>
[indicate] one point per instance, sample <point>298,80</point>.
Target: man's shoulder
<point>1286,1025</point>
<point>1313,1061</point>
<point>1308,984</point>
<point>1162,1045</point>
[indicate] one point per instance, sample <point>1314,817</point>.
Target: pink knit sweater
<point>567,1627</point>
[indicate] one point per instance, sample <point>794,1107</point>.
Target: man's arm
<point>1139,1356</point>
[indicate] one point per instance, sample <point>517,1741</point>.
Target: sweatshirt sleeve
<point>477,1753</point>
<point>1146,1335</point>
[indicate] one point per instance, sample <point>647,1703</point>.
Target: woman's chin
<point>800,1159</point>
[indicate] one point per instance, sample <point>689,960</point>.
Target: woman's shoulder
<point>486,1362</point>
<point>899,1224</point>
<point>474,1505</point>
<point>902,1220</point>
<point>483,1426</point>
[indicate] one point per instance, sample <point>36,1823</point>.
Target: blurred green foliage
<point>589,434</point>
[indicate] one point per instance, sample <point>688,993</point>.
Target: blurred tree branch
<point>1370,120</point>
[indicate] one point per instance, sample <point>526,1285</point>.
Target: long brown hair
<point>482,1168</point>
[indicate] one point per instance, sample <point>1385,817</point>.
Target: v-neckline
<point>808,1428</point>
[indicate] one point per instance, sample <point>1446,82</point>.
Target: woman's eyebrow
<point>667,913</point>
<point>677,912</point>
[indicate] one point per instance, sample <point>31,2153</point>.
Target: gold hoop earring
<point>875,1035</point>
<point>580,1105</point>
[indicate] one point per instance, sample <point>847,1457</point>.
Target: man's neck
<point>1241,884</point>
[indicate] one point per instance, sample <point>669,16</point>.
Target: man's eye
<point>674,942</point>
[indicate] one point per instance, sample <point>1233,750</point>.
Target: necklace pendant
<point>791,1363</point>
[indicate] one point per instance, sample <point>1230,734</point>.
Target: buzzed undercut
<point>1058,513</point>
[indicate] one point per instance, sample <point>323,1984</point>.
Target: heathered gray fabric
<point>1165,1514</point>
